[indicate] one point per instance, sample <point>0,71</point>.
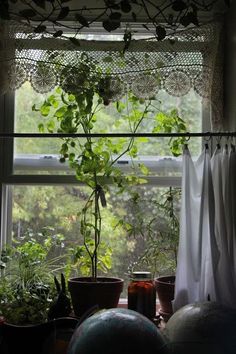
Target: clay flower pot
<point>86,293</point>
<point>165,287</point>
<point>48,337</point>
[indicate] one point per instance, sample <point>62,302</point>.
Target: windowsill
<point>159,321</point>
<point>123,303</point>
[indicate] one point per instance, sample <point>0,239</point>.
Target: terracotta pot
<point>165,287</point>
<point>85,293</point>
<point>44,338</point>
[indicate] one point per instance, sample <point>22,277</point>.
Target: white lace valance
<point>176,64</point>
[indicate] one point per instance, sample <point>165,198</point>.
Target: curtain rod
<point>117,135</point>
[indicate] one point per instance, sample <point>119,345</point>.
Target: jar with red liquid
<point>142,294</point>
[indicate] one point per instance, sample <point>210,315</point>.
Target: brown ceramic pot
<point>44,338</point>
<point>165,287</point>
<point>86,293</point>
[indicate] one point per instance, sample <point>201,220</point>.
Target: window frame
<point>8,178</point>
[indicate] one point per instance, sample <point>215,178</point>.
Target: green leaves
<point>82,20</point>
<point>176,146</point>
<point>45,109</point>
<point>160,33</point>
<point>144,169</point>
<point>52,100</point>
<point>60,112</point>
<point>40,29</point>
<point>58,33</point>
<point>26,288</point>
<point>63,13</point>
<point>112,23</point>
<point>171,13</point>
<point>41,128</point>
<point>190,17</point>
<point>82,262</point>
<point>125,6</point>
<point>74,41</point>
<point>64,149</point>
<point>171,123</point>
<point>50,126</point>
<point>94,161</point>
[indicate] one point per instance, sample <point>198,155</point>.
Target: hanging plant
<point>161,17</point>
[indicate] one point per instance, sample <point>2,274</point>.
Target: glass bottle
<point>142,294</point>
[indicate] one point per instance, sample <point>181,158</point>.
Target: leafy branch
<point>55,16</point>
<point>160,232</point>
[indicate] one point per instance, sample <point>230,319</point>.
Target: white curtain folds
<point>207,249</point>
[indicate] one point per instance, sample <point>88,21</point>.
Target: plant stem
<point>132,139</point>
<point>96,234</point>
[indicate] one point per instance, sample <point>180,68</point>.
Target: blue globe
<point>117,331</point>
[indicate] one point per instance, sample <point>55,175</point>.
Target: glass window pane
<point>133,223</point>
<point>108,120</point>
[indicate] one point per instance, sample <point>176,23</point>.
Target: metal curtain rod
<point>116,135</point>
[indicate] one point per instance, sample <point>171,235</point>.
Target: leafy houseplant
<point>74,108</point>
<point>27,288</point>
<point>161,232</point>
<point>27,291</point>
<point>165,285</point>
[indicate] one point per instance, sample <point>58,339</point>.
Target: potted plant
<point>160,255</point>
<point>73,108</point>
<point>165,285</point>
<point>27,292</point>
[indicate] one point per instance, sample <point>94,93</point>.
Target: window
<point>37,190</point>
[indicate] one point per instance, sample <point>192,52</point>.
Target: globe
<point>117,331</point>
<point>205,328</point>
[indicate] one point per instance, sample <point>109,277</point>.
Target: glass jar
<point>142,294</point>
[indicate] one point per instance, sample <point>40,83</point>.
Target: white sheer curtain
<point>207,248</point>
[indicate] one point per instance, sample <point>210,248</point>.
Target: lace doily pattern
<point>202,84</point>
<point>115,89</point>
<point>72,81</point>
<point>177,83</point>
<point>43,79</point>
<point>145,86</point>
<point>16,76</point>
<point>181,62</point>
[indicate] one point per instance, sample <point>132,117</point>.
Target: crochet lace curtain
<point>191,59</point>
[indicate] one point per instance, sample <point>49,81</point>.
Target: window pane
<point>108,120</point>
<point>133,223</point>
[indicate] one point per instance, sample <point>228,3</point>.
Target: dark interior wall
<point>230,70</point>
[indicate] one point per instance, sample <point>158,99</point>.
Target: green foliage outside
<point>109,119</point>
<point>159,227</point>
<point>61,206</point>
<point>92,160</point>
